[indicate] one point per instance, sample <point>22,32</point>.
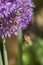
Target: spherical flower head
<point>14,15</point>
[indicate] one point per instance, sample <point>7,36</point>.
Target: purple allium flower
<point>14,15</point>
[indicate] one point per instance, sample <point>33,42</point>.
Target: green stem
<point>5,52</point>
<point>1,52</point>
<point>1,63</point>
<point>20,41</point>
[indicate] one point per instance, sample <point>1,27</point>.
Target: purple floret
<point>14,15</point>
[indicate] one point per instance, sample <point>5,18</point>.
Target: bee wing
<point>28,39</point>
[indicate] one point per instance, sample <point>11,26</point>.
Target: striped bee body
<point>28,39</point>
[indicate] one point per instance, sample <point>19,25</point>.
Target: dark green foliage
<point>33,55</point>
<point>38,5</point>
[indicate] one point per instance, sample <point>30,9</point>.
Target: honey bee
<point>28,39</point>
